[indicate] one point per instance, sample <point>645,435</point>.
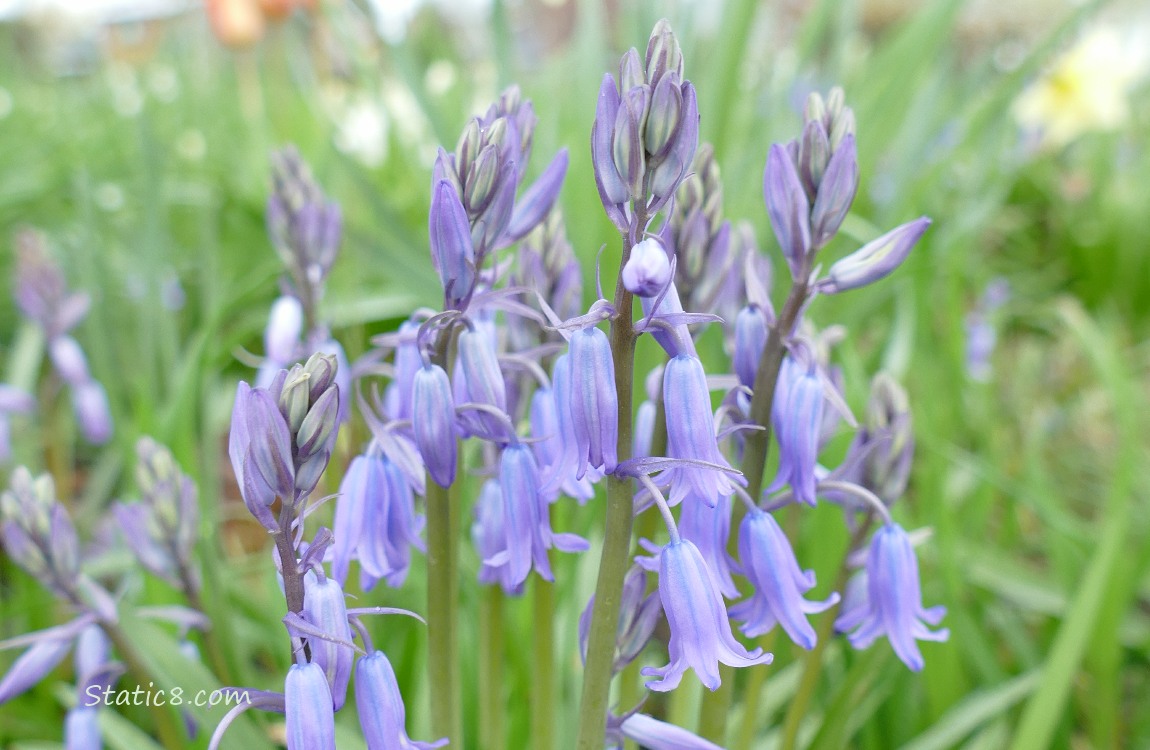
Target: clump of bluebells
<point>513,399</point>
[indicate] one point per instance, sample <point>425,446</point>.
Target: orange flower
<point>236,23</point>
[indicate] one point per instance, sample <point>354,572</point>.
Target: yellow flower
<point>1085,90</point>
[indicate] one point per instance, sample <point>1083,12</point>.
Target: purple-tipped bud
<point>33,665</point>
<point>653,734</point>
<point>875,260</point>
<point>680,151</point>
<point>836,193</point>
<point>814,153</point>
<point>789,209</point>
<point>665,116</point>
<point>663,53</point>
<point>532,208</point>
<point>594,403</point>
<point>893,600</point>
<point>325,608</point>
<point>691,434</point>
<point>612,186</point>
<point>701,635</point>
<point>769,562</point>
<point>880,456</point>
<point>90,402</point>
<point>452,249</point>
<point>282,335</point>
<point>382,715</point>
<point>269,447</point>
<point>750,338</point>
<point>627,148</point>
<point>433,422</point>
<point>69,360</point>
<point>648,270</point>
<point>308,709</point>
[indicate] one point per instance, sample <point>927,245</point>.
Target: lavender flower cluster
<point>512,381</point>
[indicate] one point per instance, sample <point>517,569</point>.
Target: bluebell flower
<point>691,434</point>
<point>710,528</point>
<point>556,455</point>
<point>594,403</point>
<point>648,270</point>
<point>893,604</point>
<point>750,338</point>
<point>308,709</point>
<point>797,417</point>
<point>701,635</point>
<point>324,607</point>
<point>81,728</point>
<point>381,712</point>
<point>769,562</point>
<point>477,379</point>
<point>433,422</point>
<point>490,539</point>
<point>652,734</point>
<point>526,517</point>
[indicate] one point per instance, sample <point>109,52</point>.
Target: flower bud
<point>836,193</point>
<point>648,270</point>
<point>663,120</point>
<point>628,149</point>
<point>480,180</point>
<point>317,431</point>
<point>382,715</point>
<point>322,369</point>
<point>479,380</point>
<point>875,260</point>
<point>663,53</point>
<point>294,398</point>
<point>789,209</point>
<point>631,72</point>
<point>814,153</point>
<point>467,149</point>
<point>285,323</point>
<point>750,338</point>
<point>90,402</point>
<point>815,109</point>
<point>69,361</point>
<point>452,249</point>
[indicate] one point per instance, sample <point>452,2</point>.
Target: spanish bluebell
<point>797,416</point>
<point>382,715</point>
<point>769,562</point>
<point>308,709</point>
<point>594,403</point>
<point>433,422</point>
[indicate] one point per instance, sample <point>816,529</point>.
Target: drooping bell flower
<point>382,715</point>
<point>769,562</point>
<point>594,403</point>
<point>490,539</point>
<point>433,422</point>
<point>710,528</point>
<point>893,605</point>
<point>652,734</point>
<point>391,528</point>
<point>478,379</point>
<point>691,434</point>
<point>526,517</point>
<point>701,635</point>
<point>797,418</point>
<point>554,453</point>
<point>324,608</point>
<point>308,709</point>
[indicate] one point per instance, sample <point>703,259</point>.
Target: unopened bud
<point>293,399</point>
<point>814,153</point>
<point>321,369</point>
<point>318,427</point>
<point>630,71</point>
<point>468,147</point>
<point>648,270</point>
<point>628,149</point>
<point>666,112</point>
<point>480,180</point>
<point>815,109</point>
<point>663,53</point>
<point>874,260</point>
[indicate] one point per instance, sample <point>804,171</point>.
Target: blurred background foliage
<point>137,138</point>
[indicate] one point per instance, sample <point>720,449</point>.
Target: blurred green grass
<point>1033,483</point>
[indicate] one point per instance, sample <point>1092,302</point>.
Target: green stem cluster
<point>442,600</point>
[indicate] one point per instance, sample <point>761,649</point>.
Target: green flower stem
<point>614,560</point>
<point>813,661</point>
<point>717,705</point>
<point>752,697</point>
<point>442,605</point>
<point>647,526</point>
<point>543,711</point>
<point>491,704</point>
